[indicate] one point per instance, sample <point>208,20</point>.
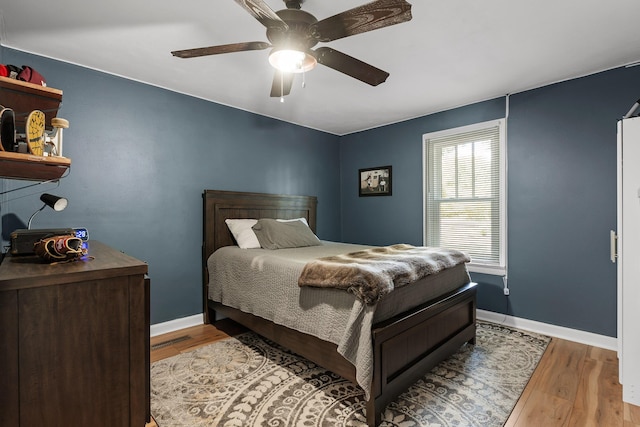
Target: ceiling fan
<point>292,33</point>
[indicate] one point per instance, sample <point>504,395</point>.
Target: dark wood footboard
<point>411,344</point>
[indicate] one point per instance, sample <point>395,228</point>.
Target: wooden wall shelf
<point>22,98</point>
<point>30,167</point>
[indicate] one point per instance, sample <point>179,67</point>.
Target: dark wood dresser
<point>74,341</point>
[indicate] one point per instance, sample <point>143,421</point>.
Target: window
<point>465,193</point>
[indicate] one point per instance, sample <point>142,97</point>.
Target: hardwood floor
<point>575,385</point>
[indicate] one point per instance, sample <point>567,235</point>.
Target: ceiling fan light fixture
<point>291,60</point>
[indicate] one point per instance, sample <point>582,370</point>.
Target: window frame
<point>499,269</point>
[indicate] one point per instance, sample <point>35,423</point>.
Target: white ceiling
<point>451,53</point>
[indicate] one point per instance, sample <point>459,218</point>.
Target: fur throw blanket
<point>372,273</point>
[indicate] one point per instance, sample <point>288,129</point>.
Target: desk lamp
<point>54,202</point>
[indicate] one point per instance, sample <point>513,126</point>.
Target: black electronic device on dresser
<point>79,341</point>
<point>23,240</point>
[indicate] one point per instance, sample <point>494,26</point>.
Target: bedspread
<point>372,273</point>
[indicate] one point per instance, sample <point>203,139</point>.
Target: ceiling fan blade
<point>350,66</point>
<point>224,48</point>
<point>263,13</point>
<point>282,83</point>
<point>368,17</point>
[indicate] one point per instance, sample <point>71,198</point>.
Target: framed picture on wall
<point>375,181</point>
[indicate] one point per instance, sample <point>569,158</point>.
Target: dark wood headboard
<point>221,205</point>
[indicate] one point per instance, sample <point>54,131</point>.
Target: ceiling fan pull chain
<point>281,87</point>
<point>304,83</point>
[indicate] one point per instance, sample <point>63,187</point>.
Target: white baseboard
<point>176,324</point>
<point>569,334</point>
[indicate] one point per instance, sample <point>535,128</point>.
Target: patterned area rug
<point>249,381</point>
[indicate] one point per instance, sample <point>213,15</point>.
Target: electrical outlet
<point>506,291</point>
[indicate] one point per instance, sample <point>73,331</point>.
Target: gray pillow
<point>274,234</point>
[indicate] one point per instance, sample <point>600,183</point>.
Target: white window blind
<point>464,172</point>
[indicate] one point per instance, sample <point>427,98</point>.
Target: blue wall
<point>561,195</point>
<point>141,158</point>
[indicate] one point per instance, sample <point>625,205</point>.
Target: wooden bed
<point>405,347</point>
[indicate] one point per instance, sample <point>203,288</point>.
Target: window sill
<point>486,269</point>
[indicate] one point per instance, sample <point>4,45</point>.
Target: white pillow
<point>242,232</point>
<point>244,235</point>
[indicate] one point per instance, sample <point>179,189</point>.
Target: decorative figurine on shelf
<point>34,130</point>
<point>54,139</point>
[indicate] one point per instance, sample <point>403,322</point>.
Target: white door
<point>629,258</point>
